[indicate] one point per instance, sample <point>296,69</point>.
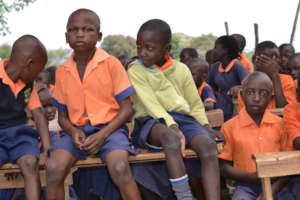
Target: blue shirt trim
<point>58,105</point>
<point>124,94</point>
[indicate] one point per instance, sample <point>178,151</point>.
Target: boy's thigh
<point>118,140</point>
<point>3,156</point>
<point>65,143</point>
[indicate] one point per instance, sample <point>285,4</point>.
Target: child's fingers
<point>182,143</point>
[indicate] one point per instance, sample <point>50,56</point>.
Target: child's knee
<point>207,148</point>
<point>120,171</point>
<point>55,171</point>
<point>170,142</point>
<point>28,164</point>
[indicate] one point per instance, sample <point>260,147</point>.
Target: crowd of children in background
<point>82,108</point>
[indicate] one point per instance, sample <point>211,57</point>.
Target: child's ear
<point>29,63</point>
<point>99,36</point>
<point>67,40</point>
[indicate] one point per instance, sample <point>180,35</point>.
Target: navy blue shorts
<point>250,191</point>
<point>189,126</point>
<point>117,140</point>
<point>18,141</point>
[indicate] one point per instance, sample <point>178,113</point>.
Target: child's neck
<point>225,62</point>
<point>161,62</point>
<point>82,59</point>
<point>257,118</point>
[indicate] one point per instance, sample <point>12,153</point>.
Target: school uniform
<point>244,138</point>
<point>224,79</point>
<point>291,118</point>
<point>245,62</point>
<point>16,139</point>
<point>164,94</point>
<point>92,103</point>
<point>289,92</point>
<point>206,93</point>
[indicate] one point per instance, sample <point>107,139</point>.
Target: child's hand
<point>234,91</point>
<point>181,138</point>
<point>267,65</point>
<point>78,137</point>
<point>215,133</point>
<point>43,158</point>
<point>93,143</point>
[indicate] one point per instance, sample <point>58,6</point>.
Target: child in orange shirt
<point>199,70</point>
<point>266,59</point>
<point>286,50</point>
<point>92,93</point>
<point>241,40</point>
<point>254,130</point>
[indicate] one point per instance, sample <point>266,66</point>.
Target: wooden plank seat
<point>215,118</point>
<point>275,165</point>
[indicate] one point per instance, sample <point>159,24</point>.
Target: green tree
<point>203,43</point>
<point>7,7</point>
<point>5,50</point>
<point>118,45</point>
<point>57,56</point>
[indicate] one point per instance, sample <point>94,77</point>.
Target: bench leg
<point>267,190</point>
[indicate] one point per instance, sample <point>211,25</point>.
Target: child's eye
<point>150,48</point>
<point>264,93</point>
<point>250,92</point>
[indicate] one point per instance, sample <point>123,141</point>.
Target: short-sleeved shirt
<point>222,80</point>
<point>291,118</point>
<point>289,91</point>
<point>206,93</point>
<point>16,87</point>
<point>245,62</point>
<point>245,138</point>
<point>95,99</point>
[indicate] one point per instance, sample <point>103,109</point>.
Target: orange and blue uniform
<point>91,103</point>
<point>291,118</point>
<point>246,63</point>
<point>289,92</point>
<point>16,139</point>
<point>206,93</point>
<point>244,138</point>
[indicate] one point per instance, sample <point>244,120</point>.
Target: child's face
<point>284,56</point>
<point>257,94</point>
<point>199,73</point>
<point>49,109</point>
<point>151,49</point>
<point>294,66</point>
<point>82,32</point>
<point>43,79</point>
<point>184,57</point>
<point>219,53</point>
<point>271,53</point>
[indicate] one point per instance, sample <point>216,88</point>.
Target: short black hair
<point>160,27</point>
<point>286,45</point>
<point>229,43</point>
<point>241,41</point>
<point>265,45</point>
<point>209,56</point>
<point>96,18</point>
<point>192,52</point>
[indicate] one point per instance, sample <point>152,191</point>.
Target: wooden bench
<point>275,165</point>
<point>215,118</point>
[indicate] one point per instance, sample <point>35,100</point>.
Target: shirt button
<point>260,138</point>
<point>91,114</point>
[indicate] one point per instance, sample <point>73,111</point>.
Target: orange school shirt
<point>289,92</point>
<point>246,63</point>
<point>291,118</point>
<point>95,98</point>
<point>245,138</point>
<point>16,87</point>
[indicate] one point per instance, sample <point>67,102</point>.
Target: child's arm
<point>93,143</point>
<point>271,68</point>
<point>146,96</point>
<point>42,127</point>
<point>65,123</point>
<point>229,171</point>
